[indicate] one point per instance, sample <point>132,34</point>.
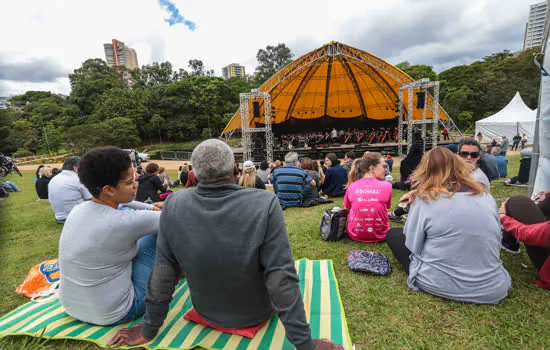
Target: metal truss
<point>377,70</point>
<point>431,103</point>
<point>247,130</point>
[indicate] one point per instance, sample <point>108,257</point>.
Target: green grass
<point>382,312</point>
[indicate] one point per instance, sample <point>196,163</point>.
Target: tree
<point>52,137</point>
<point>123,132</point>
<point>154,74</point>
<point>197,68</point>
<point>417,71</point>
<point>159,123</point>
<point>271,60</point>
<point>90,81</point>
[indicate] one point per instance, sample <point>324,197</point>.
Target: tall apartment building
<point>234,70</point>
<point>534,28</point>
<point>118,54</point>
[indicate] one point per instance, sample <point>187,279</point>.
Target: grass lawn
<point>382,312</point>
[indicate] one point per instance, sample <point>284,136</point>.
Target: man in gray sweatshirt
<point>231,243</point>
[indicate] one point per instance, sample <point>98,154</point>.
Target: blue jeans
<point>12,185</point>
<point>142,265</point>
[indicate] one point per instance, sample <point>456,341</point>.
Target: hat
<point>248,164</point>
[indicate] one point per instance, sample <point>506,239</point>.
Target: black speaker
<point>420,98</point>
<point>256,109</point>
<point>258,149</point>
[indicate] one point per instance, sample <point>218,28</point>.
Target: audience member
<point>504,145</point>
<point>334,183</point>
<point>253,273</point>
<point>309,165</point>
<point>65,190</point>
<point>450,246</point>
<point>38,171</point>
<point>192,180</point>
<point>389,162</point>
<point>289,181</point>
<point>184,175</point>
<point>43,181</point>
<point>150,184</point>
<point>407,167</point>
<point>105,254</point>
<point>515,141</point>
<point>524,168</point>
<point>523,141</point>
<point>488,164</point>
<point>263,171</point>
<point>368,200</point>
<point>250,179</point>
<point>348,161</point>
<point>502,163</point>
<point>165,178</point>
<point>525,221</point>
<point>469,151</point>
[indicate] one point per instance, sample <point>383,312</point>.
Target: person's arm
<point>415,227</point>
<point>84,192</point>
<point>536,235</point>
<point>310,181</point>
<point>327,180</point>
<point>347,202</point>
<point>136,205</point>
<point>160,288</point>
<point>157,182</point>
<point>282,281</point>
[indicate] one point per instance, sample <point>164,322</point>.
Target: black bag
<point>333,224</point>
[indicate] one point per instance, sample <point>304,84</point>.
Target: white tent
<point>515,117</point>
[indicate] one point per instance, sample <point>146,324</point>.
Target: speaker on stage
<point>258,149</point>
<point>420,98</point>
<point>256,109</point>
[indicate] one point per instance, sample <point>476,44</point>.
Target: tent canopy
<point>515,117</point>
<point>334,81</point>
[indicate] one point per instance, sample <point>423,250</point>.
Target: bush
<point>20,153</point>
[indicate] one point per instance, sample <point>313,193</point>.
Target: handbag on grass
<point>363,261</point>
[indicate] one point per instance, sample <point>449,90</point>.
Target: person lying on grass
<point>239,268</point>
<point>450,245</point>
<point>106,254</point>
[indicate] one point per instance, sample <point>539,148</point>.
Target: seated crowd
<point>327,137</point>
<point>121,259</point>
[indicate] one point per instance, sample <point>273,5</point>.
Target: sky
<point>41,42</point>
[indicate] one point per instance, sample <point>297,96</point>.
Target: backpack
<point>333,224</point>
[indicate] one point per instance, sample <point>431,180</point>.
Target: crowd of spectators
<point>133,256</point>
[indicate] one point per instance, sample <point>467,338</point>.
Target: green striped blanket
<point>318,285</point>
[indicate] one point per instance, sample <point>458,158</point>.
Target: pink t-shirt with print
<point>368,200</point>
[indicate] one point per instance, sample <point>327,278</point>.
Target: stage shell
<point>335,81</point>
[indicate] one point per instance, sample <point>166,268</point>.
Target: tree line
<point>156,103</point>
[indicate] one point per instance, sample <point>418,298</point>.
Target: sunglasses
<point>465,154</point>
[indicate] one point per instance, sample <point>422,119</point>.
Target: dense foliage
<point>157,103</point>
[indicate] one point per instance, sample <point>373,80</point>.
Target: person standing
<point>515,141</point>
<point>504,145</point>
<point>523,141</point>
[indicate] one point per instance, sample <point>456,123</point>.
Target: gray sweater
<point>233,247</point>
<point>96,249</point>
<point>455,249</point>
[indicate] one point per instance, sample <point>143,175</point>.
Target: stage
<point>339,149</point>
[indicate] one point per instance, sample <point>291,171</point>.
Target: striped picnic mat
<point>318,285</point>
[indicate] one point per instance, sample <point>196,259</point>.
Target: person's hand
<point>129,336</point>
<point>326,344</point>
<point>502,210</point>
<point>409,197</point>
<point>157,206</point>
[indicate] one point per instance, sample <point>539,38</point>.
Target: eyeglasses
<point>465,154</point>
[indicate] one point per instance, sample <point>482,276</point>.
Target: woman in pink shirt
<point>368,199</point>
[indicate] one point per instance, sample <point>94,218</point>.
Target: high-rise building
<point>234,70</point>
<point>534,28</point>
<point>118,54</point>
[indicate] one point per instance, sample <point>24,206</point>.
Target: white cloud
<point>421,31</point>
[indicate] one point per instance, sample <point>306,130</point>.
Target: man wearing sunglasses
<point>469,151</point>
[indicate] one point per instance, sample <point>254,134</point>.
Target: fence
<point>175,155</point>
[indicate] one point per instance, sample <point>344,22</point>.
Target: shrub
<point>22,153</point>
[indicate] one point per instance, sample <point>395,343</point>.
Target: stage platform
<point>339,149</point>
